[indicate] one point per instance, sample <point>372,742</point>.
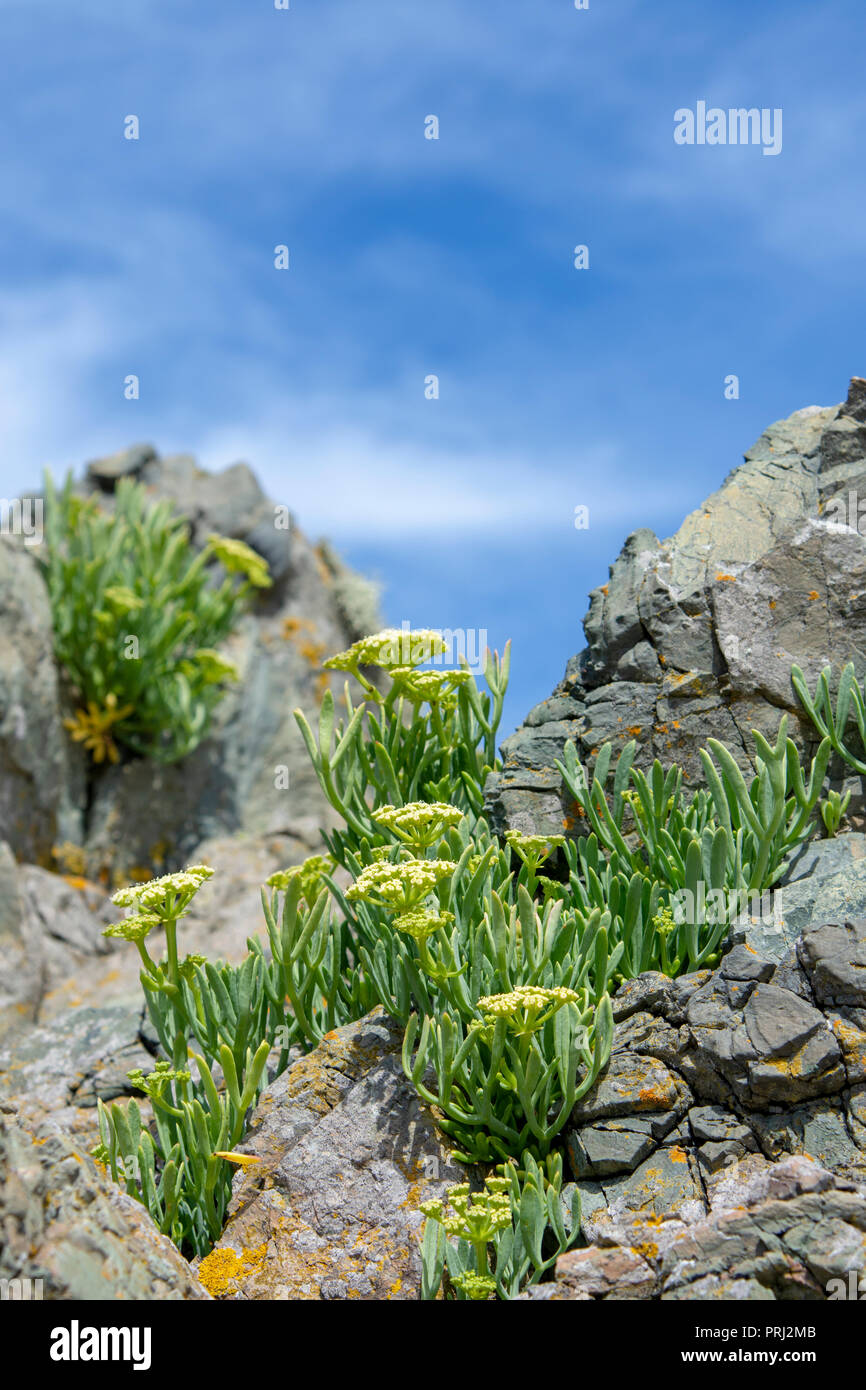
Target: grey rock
<point>55,1075</point>
<point>795,1228</point>
<point>346,1153</point>
<point>834,958</point>
<point>62,1222</point>
<point>104,473</point>
<point>696,635</point>
<point>41,773</point>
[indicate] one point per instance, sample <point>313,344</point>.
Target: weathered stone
<point>348,1153</point>
<point>695,636</point>
<point>631,1085</point>
<point>41,773</point>
<point>64,1223</point>
<point>793,1230</point>
<point>834,958</point>
<point>56,1074</point>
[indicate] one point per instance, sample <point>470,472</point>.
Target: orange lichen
<point>223,1267</point>
<point>722,578</point>
<point>812,595</point>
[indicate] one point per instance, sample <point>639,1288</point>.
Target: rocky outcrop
<point>695,636</point>
<point>251,775</point>
<point>68,1232</point>
<point>345,1155</point>
<point>790,1232</point>
<point>721,1074</point>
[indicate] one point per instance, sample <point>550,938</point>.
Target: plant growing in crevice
<point>504,1238</point>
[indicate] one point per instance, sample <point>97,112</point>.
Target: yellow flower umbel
<point>400,887</point>
<point>168,896</point>
<point>422,925</point>
<point>477,1218</point>
<point>93,726</point>
<point>135,927</point>
<point>391,649</point>
<point>527,1008</point>
<point>533,849</point>
<point>436,687</point>
<point>311,874</point>
<point>420,823</point>
<point>238,558</point>
<point>474,1287</point>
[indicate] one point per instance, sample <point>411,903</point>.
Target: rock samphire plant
<point>499,973</point>
<point>138,617</point>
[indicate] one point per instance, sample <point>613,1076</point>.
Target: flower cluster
<point>135,927</point>
<point>476,1217</point>
<point>474,1287</point>
<point>420,823</point>
<point>93,726</point>
<point>400,887</point>
<point>391,649</point>
<point>311,873</point>
<point>168,896</point>
<point>527,1008</point>
<point>420,925</point>
<point>436,687</point>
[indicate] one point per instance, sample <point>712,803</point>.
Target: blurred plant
<point>138,616</point>
<point>496,1242</point>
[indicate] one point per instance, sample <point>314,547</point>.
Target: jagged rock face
<point>695,636</point>
<point>715,1076</point>
<point>251,774</point>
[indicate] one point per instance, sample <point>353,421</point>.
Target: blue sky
<point>409,257</point>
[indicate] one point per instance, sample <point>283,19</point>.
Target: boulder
<point>346,1154</point>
